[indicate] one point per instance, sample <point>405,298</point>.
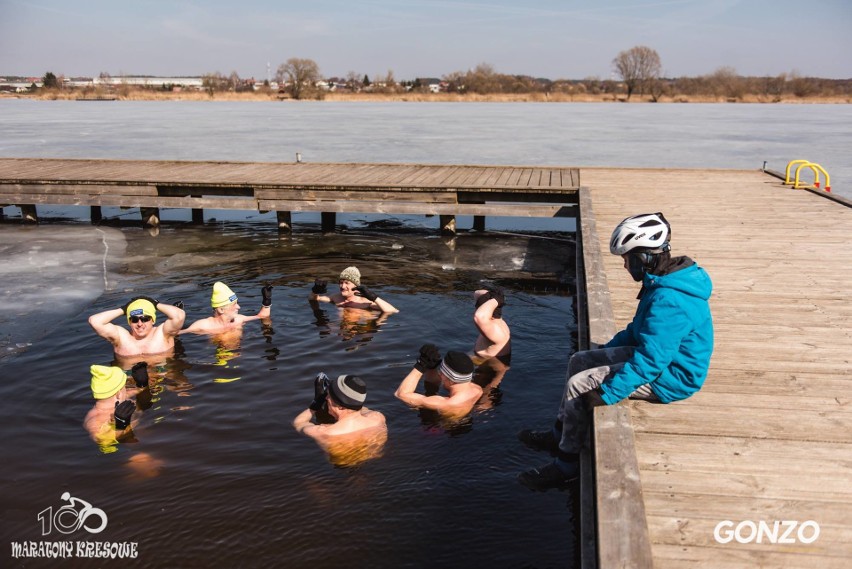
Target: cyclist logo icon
<point>72,516</point>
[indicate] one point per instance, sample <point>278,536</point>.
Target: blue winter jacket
<point>673,335</point>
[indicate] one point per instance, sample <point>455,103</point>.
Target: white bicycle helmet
<point>648,232</point>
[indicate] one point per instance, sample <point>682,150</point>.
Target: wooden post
<point>479,223</point>
<point>150,216</point>
<point>285,223</point>
<point>29,214</point>
<point>96,214</point>
<point>328,221</point>
<point>448,224</point>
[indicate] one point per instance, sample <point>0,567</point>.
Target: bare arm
<point>102,324</point>
<point>175,318</point>
<point>405,393</point>
<point>385,306</point>
<point>303,423</point>
<point>483,318</point>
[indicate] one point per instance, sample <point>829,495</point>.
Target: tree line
<point>638,71</point>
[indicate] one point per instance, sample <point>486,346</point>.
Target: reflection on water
<point>216,475</point>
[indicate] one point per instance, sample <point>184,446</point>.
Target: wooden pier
<point>769,437</point>
<point>446,191</point>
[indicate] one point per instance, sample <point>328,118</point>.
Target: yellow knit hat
<point>141,307</point>
<point>107,381</point>
<point>222,295</point>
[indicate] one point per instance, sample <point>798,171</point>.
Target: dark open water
<point>218,477</point>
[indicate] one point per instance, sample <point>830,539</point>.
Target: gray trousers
<point>586,371</point>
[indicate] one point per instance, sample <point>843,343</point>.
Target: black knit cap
<point>348,391</point>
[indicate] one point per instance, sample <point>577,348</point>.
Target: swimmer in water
<point>109,421</point>
<point>494,339</point>
<point>352,293</point>
<point>143,337</point>
<point>356,433</point>
<point>454,373</point>
<point>226,312</point>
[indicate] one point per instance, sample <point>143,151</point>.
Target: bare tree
<point>300,76</point>
<point>637,67</point>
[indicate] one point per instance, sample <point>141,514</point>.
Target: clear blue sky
<point>423,38</point>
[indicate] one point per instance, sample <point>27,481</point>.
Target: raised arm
<point>319,292</point>
<point>175,318</point>
<point>488,327</point>
<point>102,324</point>
<point>383,305</point>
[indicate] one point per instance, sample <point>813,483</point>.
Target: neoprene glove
<point>320,391</point>
<point>429,358</point>
<point>320,287</point>
<point>178,304</point>
<point>123,413</point>
<point>267,295</point>
<point>367,293</point>
<point>140,374</point>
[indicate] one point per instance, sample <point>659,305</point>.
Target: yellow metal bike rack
<point>815,168</point>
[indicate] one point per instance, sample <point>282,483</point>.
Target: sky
<point>565,39</point>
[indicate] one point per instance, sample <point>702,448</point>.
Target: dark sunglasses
<point>144,318</point>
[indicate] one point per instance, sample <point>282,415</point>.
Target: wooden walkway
<point>769,437</point>
<point>518,191</point>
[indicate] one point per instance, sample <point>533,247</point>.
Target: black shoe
<point>539,440</point>
<point>549,476</point>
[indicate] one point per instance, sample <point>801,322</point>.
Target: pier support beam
<point>29,214</point>
<point>96,214</point>
<point>150,216</point>
<point>285,222</point>
<point>328,221</point>
<point>479,223</point>
<point>448,224</point>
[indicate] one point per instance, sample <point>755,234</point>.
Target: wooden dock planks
<point>770,435</point>
<point>286,187</point>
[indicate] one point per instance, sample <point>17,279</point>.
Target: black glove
<point>123,412</point>
<point>495,293</point>
<point>320,287</point>
<point>429,358</point>
<point>140,374</point>
<point>320,392</point>
<point>366,293</point>
<point>267,295</point>
<point>178,304</point>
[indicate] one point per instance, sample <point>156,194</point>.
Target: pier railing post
<point>29,213</point>
<point>150,216</point>
<point>285,223</point>
<point>448,224</point>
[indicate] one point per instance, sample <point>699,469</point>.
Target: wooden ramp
<point>446,190</point>
<point>769,437</point>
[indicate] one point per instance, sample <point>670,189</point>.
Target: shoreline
<point>421,98</point>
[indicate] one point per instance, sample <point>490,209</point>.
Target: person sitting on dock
<point>454,372</point>
<point>352,293</point>
<point>226,312</point>
<point>494,336</point>
<point>661,356</point>
<point>340,423</point>
<point>144,337</point>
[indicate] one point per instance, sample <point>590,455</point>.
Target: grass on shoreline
<point>148,95</point>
